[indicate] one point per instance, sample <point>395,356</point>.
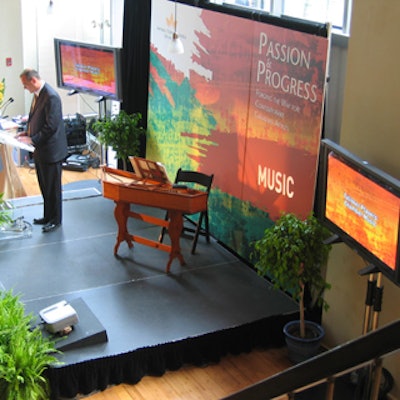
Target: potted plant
<point>122,133</point>
<point>25,353</point>
<point>5,217</point>
<point>291,254</point>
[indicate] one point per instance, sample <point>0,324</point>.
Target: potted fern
<point>291,254</point>
<point>122,133</point>
<point>24,353</point>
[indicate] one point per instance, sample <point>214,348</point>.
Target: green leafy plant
<point>24,353</point>
<point>121,132</point>
<point>5,216</point>
<point>2,90</point>
<point>291,254</point>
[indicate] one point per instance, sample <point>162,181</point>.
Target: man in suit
<point>45,131</point>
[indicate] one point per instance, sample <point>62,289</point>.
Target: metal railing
<point>366,351</point>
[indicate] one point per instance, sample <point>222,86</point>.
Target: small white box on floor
<point>59,316</point>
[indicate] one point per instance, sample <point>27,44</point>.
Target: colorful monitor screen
<point>361,204</point>
<point>88,68</point>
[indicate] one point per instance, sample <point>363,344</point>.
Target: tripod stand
<point>369,379</point>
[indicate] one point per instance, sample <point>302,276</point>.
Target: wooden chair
<point>199,181</point>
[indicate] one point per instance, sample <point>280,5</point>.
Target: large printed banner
<point>244,102</point>
<point>284,122</point>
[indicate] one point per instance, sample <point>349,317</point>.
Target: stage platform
<point>146,321</point>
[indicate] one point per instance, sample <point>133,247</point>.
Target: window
<point>336,12</point>
<point>333,11</point>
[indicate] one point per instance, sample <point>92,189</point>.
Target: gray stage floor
<point>137,303</point>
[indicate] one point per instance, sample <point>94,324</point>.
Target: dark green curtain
<point>136,57</point>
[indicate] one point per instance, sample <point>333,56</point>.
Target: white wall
<point>10,40</point>
<point>29,27</point>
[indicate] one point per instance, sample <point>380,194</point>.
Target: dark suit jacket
<point>46,127</point>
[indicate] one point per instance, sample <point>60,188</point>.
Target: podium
<point>10,183</point>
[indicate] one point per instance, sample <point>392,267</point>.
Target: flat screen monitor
<point>361,204</point>
<point>89,68</point>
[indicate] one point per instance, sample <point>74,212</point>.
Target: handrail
<point>357,352</point>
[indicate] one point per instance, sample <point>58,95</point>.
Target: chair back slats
<point>201,181</point>
<point>200,178</point>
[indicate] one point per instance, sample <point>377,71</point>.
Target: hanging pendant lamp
<point>175,45</point>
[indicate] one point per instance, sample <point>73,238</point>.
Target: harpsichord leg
<point>175,230</point>
<point>121,212</point>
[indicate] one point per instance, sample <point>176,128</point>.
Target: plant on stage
<point>292,254</point>
<point>2,90</point>
<point>122,132</point>
<point>24,353</point>
<point>5,216</point>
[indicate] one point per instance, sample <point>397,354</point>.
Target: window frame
<point>277,9</point>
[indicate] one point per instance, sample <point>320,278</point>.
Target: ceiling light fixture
<point>175,45</point>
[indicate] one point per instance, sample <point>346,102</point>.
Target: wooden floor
<point>232,373</point>
<point>27,176</point>
<point>210,382</point>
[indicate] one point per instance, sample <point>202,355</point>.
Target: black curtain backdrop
<point>136,58</point>
<point>85,377</point>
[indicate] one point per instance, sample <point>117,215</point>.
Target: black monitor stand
<point>103,114</point>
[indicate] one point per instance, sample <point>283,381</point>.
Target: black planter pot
<point>300,349</point>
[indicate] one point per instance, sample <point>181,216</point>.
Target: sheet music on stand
<point>148,169</point>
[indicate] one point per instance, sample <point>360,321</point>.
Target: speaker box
<point>75,129</point>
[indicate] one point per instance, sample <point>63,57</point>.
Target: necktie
<point>32,108</point>
<point>33,102</point>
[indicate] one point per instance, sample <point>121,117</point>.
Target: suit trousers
<point>49,178</point>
